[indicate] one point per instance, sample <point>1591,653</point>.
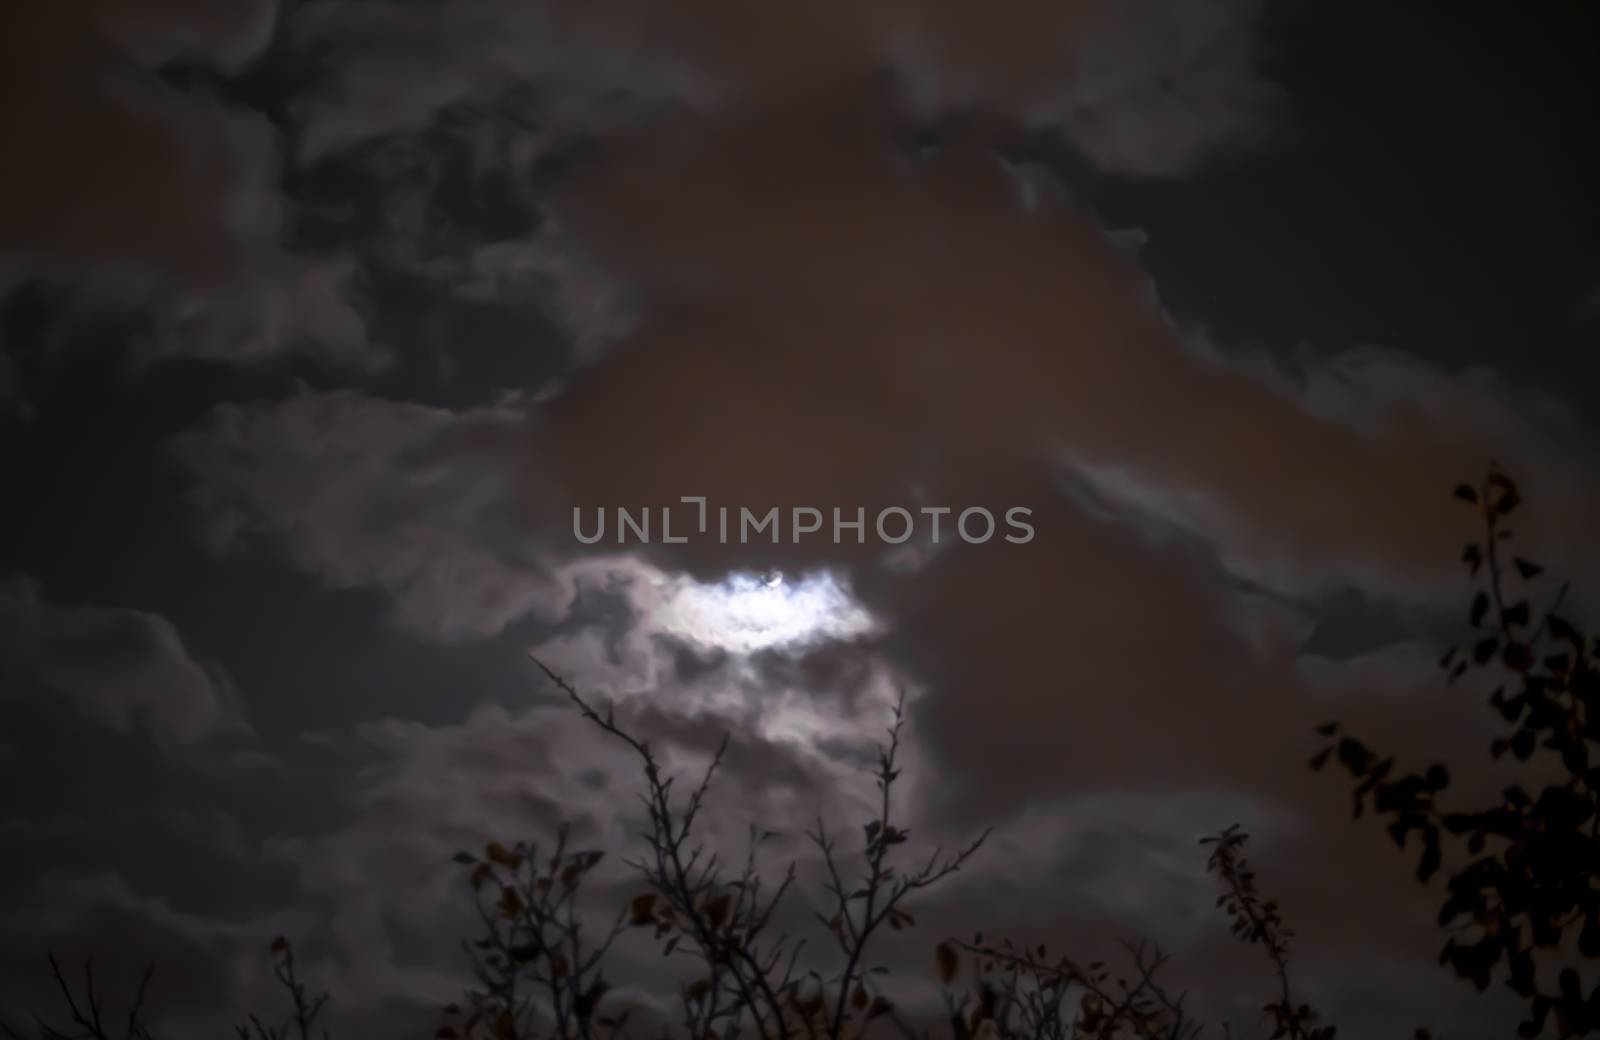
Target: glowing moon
<point>746,613</point>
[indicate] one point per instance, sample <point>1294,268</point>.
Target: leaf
<point>1527,568</point>
<point>1429,864</point>
<point>948,961</point>
<point>1518,657</point>
<point>1480,607</point>
<point>1466,493</point>
<point>1561,628</point>
<point>280,945</point>
<point>1589,938</point>
<point>1484,650</point>
<point>1327,729</point>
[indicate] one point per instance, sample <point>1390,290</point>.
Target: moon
<point>746,613</point>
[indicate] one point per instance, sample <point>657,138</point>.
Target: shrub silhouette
<point>538,973</point>
<point>1533,880</point>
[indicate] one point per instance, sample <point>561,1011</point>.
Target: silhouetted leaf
<point>1561,628</point>
<point>1518,657</point>
<point>1429,864</point>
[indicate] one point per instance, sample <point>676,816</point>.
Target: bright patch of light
<point>750,612</point>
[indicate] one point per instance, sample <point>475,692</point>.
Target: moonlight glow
<point>750,612</point>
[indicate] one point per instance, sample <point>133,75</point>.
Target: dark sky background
<point>317,318</point>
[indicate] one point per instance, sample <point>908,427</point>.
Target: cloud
<point>183,189</point>
<point>160,202</point>
<point>825,318</point>
<point>314,305</point>
<point>363,492</point>
<point>1147,88</point>
<point>115,666</point>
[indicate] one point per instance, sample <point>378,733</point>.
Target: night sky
<point>320,318</point>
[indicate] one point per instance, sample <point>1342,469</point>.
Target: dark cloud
<point>182,186</point>
<point>117,667</point>
<point>1148,88</point>
<point>158,202</point>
